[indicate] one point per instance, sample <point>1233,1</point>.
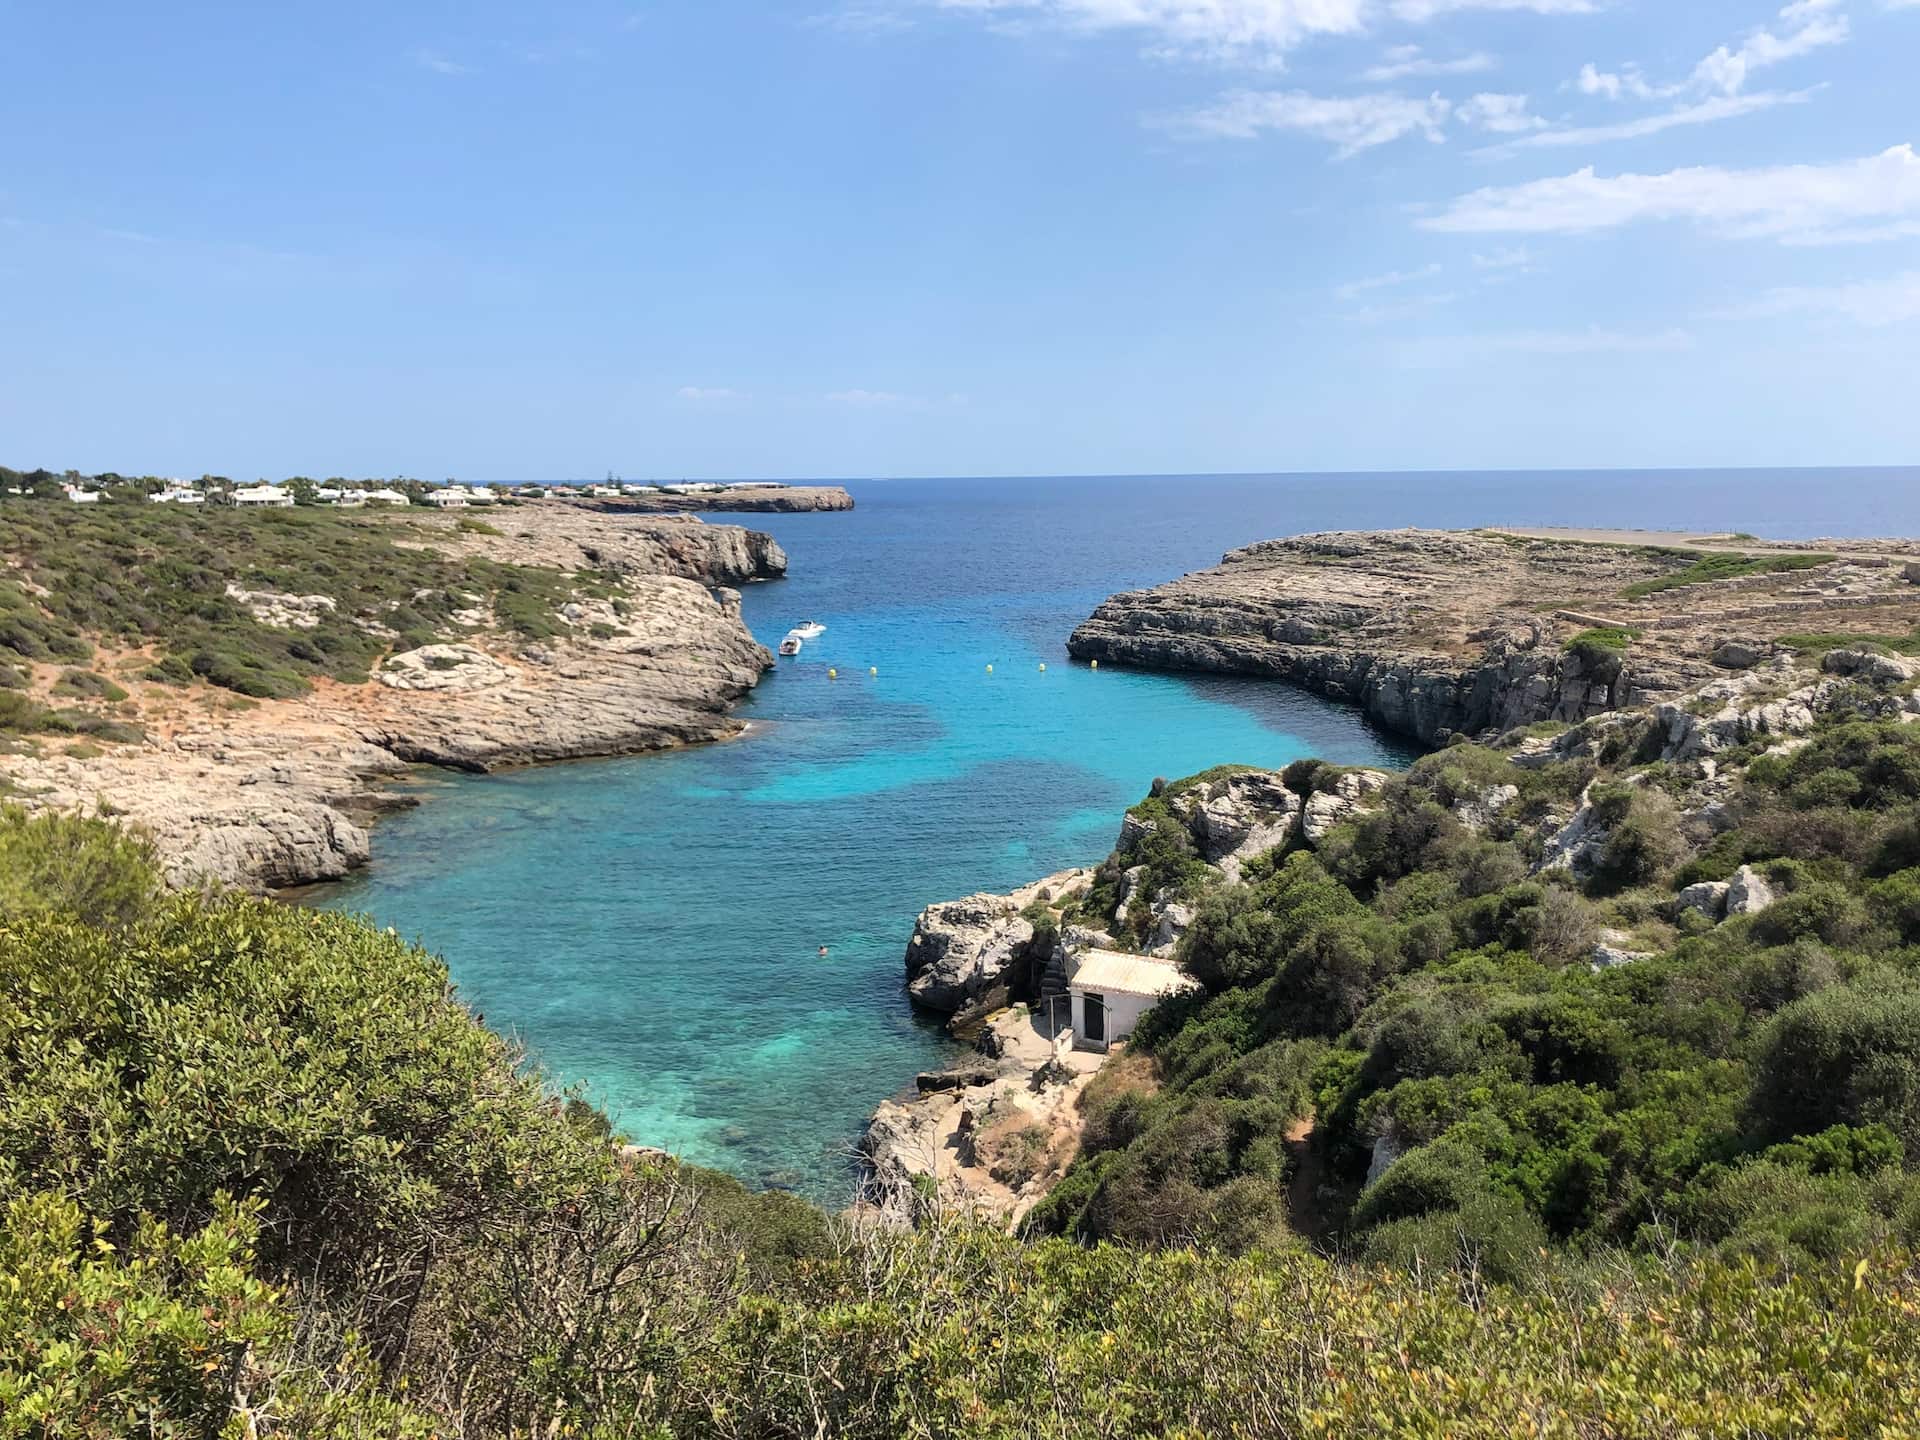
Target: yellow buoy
<point>833,674</point>
<point>1043,668</point>
<point>989,669</point>
<point>1096,664</point>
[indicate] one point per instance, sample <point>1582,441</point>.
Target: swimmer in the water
<point>823,952</point>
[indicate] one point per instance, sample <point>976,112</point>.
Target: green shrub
<point>1845,1056</point>
<point>85,685</point>
<point>54,865</point>
<point>1709,567</point>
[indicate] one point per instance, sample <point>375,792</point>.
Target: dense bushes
<point>264,1177</point>
<point>1437,1002</point>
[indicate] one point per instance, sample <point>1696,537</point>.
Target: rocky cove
<point>277,793</point>
<point>1554,652</point>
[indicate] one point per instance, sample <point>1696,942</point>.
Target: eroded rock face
<point>1242,817</point>
<point>443,667</point>
<point>1749,893</point>
<point>975,952</point>
<point>284,612</point>
<point>1348,796</point>
<point>1709,898</point>
<point>278,794</point>
<point>961,949</point>
<point>1435,633</point>
<point>1416,627</point>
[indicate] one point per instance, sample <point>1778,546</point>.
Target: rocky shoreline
<point>277,794</point>
<point>1439,633</point>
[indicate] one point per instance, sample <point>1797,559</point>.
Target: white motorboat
<point>791,645</point>
<point>808,630</point>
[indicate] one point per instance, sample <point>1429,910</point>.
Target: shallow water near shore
<point>650,927</point>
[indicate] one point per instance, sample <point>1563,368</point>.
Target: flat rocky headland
<point>1438,633</point>
<point>276,792</point>
<point>763,500</point>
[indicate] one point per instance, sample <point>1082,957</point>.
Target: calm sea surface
<point>650,927</point>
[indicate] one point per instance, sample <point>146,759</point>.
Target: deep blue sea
<point>650,927</point>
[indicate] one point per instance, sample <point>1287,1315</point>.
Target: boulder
<point>1345,798</point>
<point>1749,892</point>
<point>1709,897</point>
<point>1738,654</point>
<point>444,668</point>
<point>1242,817</point>
<point>1479,812</point>
<point>1386,1150</point>
<point>962,949</point>
<point>1612,951</point>
<point>1172,920</point>
<point>1870,665</point>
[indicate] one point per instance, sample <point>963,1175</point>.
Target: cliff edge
<point>1438,633</point>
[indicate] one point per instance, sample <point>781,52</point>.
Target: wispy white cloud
<point>1240,31</point>
<point>707,394</point>
<point>1407,61</point>
<point>1800,28</point>
<point>1848,201</point>
<point>1505,259</point>
<point>1805,26</point>
<point>1393,279</point>
<point>1501,114</point>
<point>861,19</point>
<point>440,64</point>
<point>1716,88</point>
<point>1706,112</point>
<point>1350,123</point>
<point>1875,304</point>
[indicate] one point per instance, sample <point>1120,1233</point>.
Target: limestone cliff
<point>277,793</point>
<point>1435,633</point>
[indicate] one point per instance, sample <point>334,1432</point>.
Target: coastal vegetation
<point>179,593</point>
<point>1413,1162</point>
<point>265,1176</point>
<point>1708,566</point>
<point>1406,1047</point>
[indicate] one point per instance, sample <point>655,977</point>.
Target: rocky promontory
<point>1437,633</point>
<point>650,652</point>
<point>739,500</point>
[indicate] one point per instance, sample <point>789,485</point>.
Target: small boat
<point>791,645</point>
<point>808,630</point>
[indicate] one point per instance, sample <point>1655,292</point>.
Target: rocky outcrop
<point>1749,893</point>
<point>761,500</point>
<point>1438,633</point>
<point>566,537</point>
<point>987,1140</point>
<point>978,953</point>
<point>278,794</point>
<point>284,612</point>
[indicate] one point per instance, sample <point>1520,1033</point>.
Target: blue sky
<point>873,237</point>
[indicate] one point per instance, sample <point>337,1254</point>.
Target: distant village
<point>341,494</point>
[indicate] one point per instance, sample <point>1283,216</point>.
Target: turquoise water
<point>650,927</point>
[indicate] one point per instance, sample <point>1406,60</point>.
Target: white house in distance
<point>1111,991</point>
<point>177,495</point>
<point>449,499</point>
<point>480,496</point>
<point>82,497</point>
<point>262,497</point>
<point>395,498</point>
